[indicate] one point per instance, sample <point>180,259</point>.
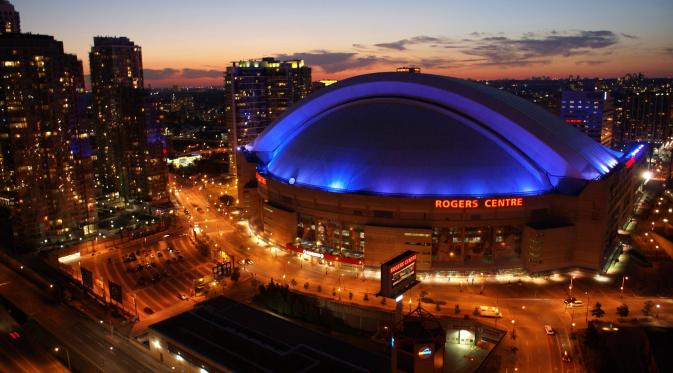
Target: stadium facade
<point>467,176</point>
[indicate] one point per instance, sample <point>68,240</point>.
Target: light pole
<point>67,354</point>
<point>513,329</point>
<point>621,288</point>
<point>586,317</point>
<point>570,288</point>
<point>657,314</point>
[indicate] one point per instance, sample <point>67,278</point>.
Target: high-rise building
<point>408,69</point>
<point>129,164</point>
<point>642,116</point>
<point>584,111</point>
<point>9,18</point>
<point>259,91</point>
<point>322,84</point>
<point>45,165</point>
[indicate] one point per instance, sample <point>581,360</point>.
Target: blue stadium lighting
<point>419,135</point>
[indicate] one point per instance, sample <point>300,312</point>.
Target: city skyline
<point>193,46</point>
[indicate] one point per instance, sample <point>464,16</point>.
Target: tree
<point>350,295</point>
<point>235,274</point>
<point>647,308</point>
<point>623,310</point>
<point>319,289</point>
<point>597,311</point>
<point>476,311</point>
<point>366,297</point>
<point>293,283</point>
<point>456,309</point>
<point>306,286</point>
<point>591,338</point>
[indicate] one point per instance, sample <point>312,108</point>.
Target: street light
<point>67,354</point>
<point>657,314</point>
<point>621,288</point>
<point>571,286</point>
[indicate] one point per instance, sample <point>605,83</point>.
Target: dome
<point>426,135</point>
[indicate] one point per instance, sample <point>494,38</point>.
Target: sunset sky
<point>190,43</point>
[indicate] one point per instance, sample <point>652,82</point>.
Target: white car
<point>576,304</point>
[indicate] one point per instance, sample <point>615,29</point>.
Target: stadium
<point>467,176</point>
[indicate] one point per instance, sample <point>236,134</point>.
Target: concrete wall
<point>547,248</point>
<point>385,243</point>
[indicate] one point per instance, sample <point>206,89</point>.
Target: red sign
<point>476,203</point>
<point>574,121</point>
<point>260,179</point>
<point>403,264</point>
<point>630,162</point>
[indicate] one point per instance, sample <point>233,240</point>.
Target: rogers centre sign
<point>403,264</point>
<point>488,203</point>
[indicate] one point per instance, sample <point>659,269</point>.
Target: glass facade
<point>331,236</point>
<point>481,245</point>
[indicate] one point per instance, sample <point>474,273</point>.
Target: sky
<point>191,42</point>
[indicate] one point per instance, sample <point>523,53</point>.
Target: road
<point>541,297</point>
<point>77,333</point>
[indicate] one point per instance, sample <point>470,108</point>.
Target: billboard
<point>87,278</point>
<point>398,274</point>
<point>115,291</point>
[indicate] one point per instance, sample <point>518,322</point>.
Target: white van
<point>489,311</point>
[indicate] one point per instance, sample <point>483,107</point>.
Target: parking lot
<point>153,275</point>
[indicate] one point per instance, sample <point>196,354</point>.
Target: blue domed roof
<point>426,135</point>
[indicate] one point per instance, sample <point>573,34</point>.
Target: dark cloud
<point>629,36</point>
<point>538,48</point>
<point>668,51</point>
<point>170,73</point>
<point>591,62</point>
<point>401,45</point>
<point>158,74</point>
<point>199,73</point>
<point>333,62</point>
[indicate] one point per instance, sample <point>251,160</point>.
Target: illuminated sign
<point>477,203</point>
<point>574,121</point>
<point>632,156</point>
<point>260,179</point>
<point>311,253</point>
<point>425,352</point>
<point>404,263</point>
<point>398,275</point>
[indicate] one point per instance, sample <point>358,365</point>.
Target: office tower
<point>9,18</point>
<point>642,116</point>
<point>408,69</point>
<point>45,173</point>
<point>126,136</point>
<point>259,91</point>
<point>321,84</point>
<point>584,111</point>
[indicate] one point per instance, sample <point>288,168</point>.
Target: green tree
<point>647,308</point>
<point>597,311</point>
<point>235,274</point>
<point>591,338</point>
<point>623,310</point>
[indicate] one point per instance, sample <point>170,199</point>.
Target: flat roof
<point>243,338</point>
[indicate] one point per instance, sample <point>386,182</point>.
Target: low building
<point>222,335</point>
